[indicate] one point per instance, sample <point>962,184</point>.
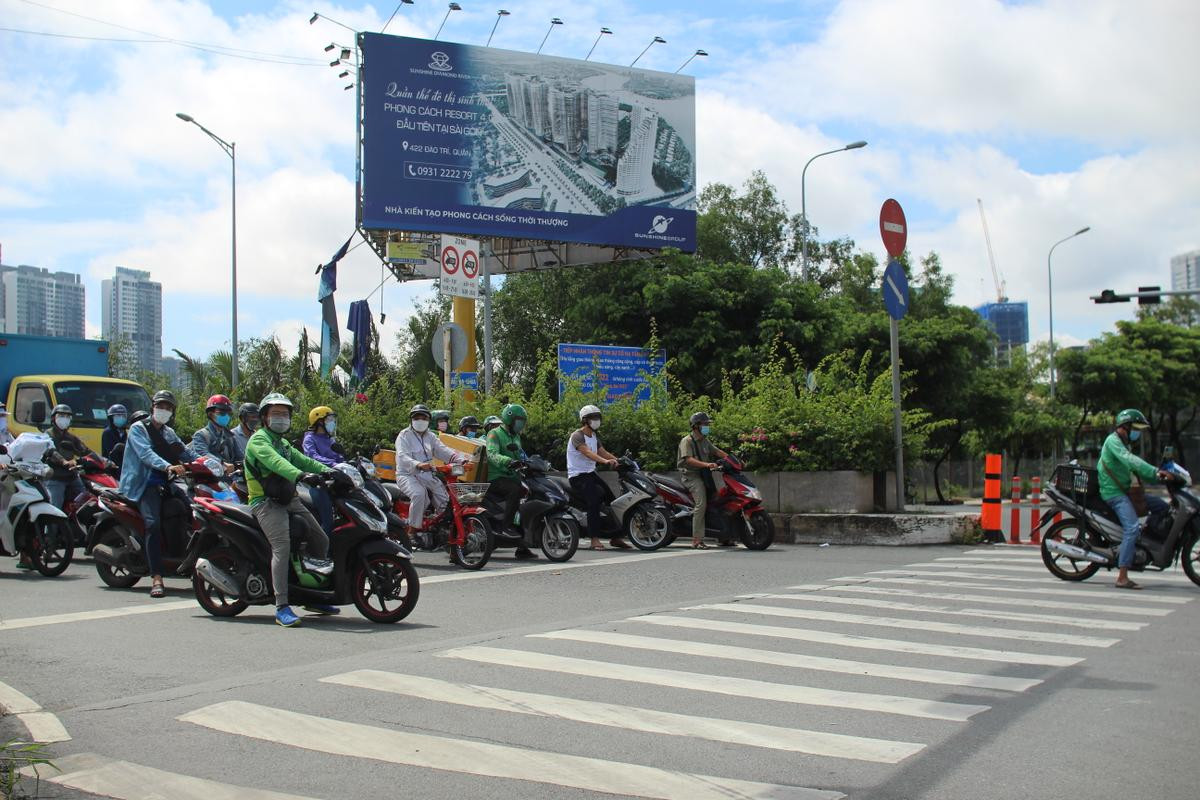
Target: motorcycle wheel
<point>560,538</point>
<point>212,599</point>
<point>647,526</point>
<point>759,531</point>
<point>1189,556</point>
<point>116,577</point>
<point>52,547</point>
<point>385,589</point>
<point>474,554</point>
<point>1068,531</point>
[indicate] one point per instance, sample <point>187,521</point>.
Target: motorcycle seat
<point>395,492</point>
<point>115,496</point>
<point>237,512</point>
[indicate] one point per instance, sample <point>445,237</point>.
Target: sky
<point>1058,115</point>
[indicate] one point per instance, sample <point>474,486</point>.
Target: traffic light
<point>1109,296</point>
<point>1147,301</point>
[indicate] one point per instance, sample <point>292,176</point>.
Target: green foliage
<point>17,755</point>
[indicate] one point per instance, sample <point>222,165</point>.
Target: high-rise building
<point>564,117</point>
<point>602,117</point>
<point>635,168</point>
<point>1185,271</point>
<point>131,309</point>
<point>42,303</point>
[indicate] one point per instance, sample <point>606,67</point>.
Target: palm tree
<point>194,373</point>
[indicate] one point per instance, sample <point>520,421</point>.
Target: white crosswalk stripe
<point>951,574</point>
<point>957,562</point>
<point>481,758</point>
<point>795,740</point>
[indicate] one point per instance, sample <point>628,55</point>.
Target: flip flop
<point>1127,585</point>
<point>699,546</point>
<point>620,544</point>
<point>596,547</point>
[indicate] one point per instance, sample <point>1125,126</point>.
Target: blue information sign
<point>619,370</point>
<point>895,290</point>
<point>464,380</point>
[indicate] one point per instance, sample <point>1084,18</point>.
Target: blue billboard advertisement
<point>620,371</point>
<point>485,142</point>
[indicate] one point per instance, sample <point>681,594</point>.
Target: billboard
<point>619,370</point>
<point>494,143</point>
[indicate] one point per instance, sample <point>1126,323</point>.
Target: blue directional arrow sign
<point>895,290</point>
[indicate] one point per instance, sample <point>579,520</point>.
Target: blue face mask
<point>222,420</point>
<point>472,434</point>
<point>1134,435</point>
<point>118,422</point>
<point>705,430</point>
<point>330,426</point>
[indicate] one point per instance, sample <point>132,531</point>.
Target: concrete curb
<point>877,529</point>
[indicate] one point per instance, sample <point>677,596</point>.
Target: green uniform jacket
<point>268,452</point>
<point>1115,456</point>
<point>502,449</point>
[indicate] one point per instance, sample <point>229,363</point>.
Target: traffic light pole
<point>1109,296</point>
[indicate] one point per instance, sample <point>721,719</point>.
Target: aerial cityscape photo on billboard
<point>488,142</point>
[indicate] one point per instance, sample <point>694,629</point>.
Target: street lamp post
<point>1050,295</point>
<point>395,11</point>
<point>499,14</point>
<point>452,7</point>
<point>599,36</point>
<point>553,22</point>
<point>654,41</point>
<point>230,149</point>
<point>804,208</point>
<point>700,53</point>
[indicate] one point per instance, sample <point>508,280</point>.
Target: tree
<point>751,228</point>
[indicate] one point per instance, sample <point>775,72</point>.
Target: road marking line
<point>44,727</point>
<point>1009,551</point>
<point>103,613</point>
<point>908,624</point>
<point>1050,605</point>
<point>720,684</point>
<point>600,562</point>
<point>863,642</point>
<point>991,563</point>
<point>797,660</point>
<point>1089,623</point>
<point>631,718</point>
<point>15,702</point>
<point>95,774</point>
<point>481,758</point>
<point>1136,597</point>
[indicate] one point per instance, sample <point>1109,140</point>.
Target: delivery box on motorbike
<point>385,464</point>
<point>475,449</point>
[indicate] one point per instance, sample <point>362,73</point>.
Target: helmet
<point>220,402</point>
<point>511,412</point>
<point>62,408</point>
<point>163,396</point>
<point>274,399</point>
<point>245,409</point>
<point>115,409</point>
<point>468,422</point>
<point>317,414</point>
<point>588,411</point>
<point>492,422</point>
<point>138,416</point>
<point>1128,416</point>
<point>699,418</point>
<point>440,414</point>
<point>419,408</point>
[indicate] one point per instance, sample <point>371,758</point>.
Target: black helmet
<point>468,422</point>
<point>441,414</point>
<point>138,416</point>
<point>116,408</point>
<point>698,419</point>
<point>163,396</point>
<point>62,408</point>
<point>419,408</point>
<point>247,408</point>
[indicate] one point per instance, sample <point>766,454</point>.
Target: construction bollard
<point>990,518</point>
<point>1035,516</point>
<point>1014,531</point>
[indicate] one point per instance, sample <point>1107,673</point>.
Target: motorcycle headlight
<point>753,493</point>
<point>352,473</point>
<point>369,468</point>
<point>214,465</point>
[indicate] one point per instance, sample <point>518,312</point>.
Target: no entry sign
<point>893,228</point>
<point>460,266</point>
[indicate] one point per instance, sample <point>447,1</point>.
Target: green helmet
<point>440,414</point>
<point>511,413</point>
<point>492,422</point>
<point>274,399</point>
<point>1133,418</point>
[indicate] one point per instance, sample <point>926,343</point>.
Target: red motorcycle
<point>735,510</point>
<point>461,528</point>
<point>97,473</point>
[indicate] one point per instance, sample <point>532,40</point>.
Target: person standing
<point>584,453</point>
<point>1118,469</point>
<point>64,483</point>
<point>114,433</point>
<point>696,459</point>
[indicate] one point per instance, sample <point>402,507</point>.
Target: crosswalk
<point>755,696</point>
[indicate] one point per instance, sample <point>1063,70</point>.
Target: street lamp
<point>553,22</point>
<point>452,7</point>
<point>395,11</point>
<point>693,55</point>
<point>1050,294</point>
<point>803,206</point>
<point>654,41</point>
<point>499,14</point>
<point>599,36</point>
<point>316,16</point>
<point>230,149</point>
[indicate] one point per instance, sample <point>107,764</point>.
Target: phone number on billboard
<point>436,172</point>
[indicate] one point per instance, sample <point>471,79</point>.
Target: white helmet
<point>588,411</point>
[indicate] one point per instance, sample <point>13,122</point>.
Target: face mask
<point>63,422</point>
<point>162,415</point>
<point>1134,435</point>
<point>223,420</point>
<point>594,423</point>
<point>518,425</point>
<point>443,426</point>
<point>251,424</point>
<point>420,425</point>
<point>705,430</point>
<point>118,422</point>
<point>280,424</point>
<point>330,426</point>
<point>472,434</point>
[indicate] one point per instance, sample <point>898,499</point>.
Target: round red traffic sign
<point>893,228</point>
<point>470,264</point>
<point>449,260</point>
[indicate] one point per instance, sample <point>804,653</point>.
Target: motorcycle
<point>1089,535</point>
<point>734,512</point>
<point>365,569</point>
<point>543,518</point>
<point>461,528</point>
<point>638,514</point>
<point>30,525</point>
<point>97,473</point>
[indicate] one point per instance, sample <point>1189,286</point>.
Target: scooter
<point>544,517</point>
<point>366,569</point>
<point>734,511</point>
<point>461,528</point>
<point>30,525</point>
<point>638,514</point>
<point>97,473</point>
<point>1089,534</point>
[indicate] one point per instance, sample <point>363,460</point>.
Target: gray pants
<point>274,520</point>
<point>419,487</point>
<point>695,485</point>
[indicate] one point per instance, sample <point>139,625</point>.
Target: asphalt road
<point>801,672</point>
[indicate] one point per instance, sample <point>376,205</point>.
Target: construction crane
<point>1001,286</point>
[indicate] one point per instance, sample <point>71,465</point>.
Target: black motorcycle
<point>368,570</point>
<point>1089,535</point>
<point>544,518</point>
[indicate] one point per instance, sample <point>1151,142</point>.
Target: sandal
<point>158,589</point>
<point>596,546</point>
<point>699,546</point>
<point>1128,584</point>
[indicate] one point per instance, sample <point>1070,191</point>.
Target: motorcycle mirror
<point>1168,452</point>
